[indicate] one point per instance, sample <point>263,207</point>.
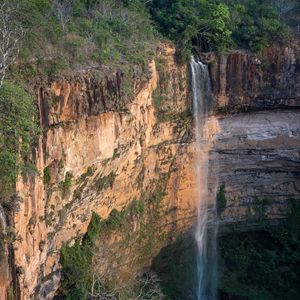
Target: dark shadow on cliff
<point>262,263</point>
<point>176,267</point>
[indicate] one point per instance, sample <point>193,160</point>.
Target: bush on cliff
<point>76,262</point>
<point>17,129</point>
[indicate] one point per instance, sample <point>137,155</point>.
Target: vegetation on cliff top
<point>211,25</point>
<point>72,34</point>
<point>79,33</point>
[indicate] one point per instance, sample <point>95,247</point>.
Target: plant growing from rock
<point>66,184</point>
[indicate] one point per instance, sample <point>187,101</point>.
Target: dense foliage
<point>218,25</point>
<point>65,34</point>
<point>77,260</point>
<point>73,33</point>
<point>17,127</point>
<point>263,264</point>
<point>256,24</point>
<point>253,265</point>
<point>192,24</point>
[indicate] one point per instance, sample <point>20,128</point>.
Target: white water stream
<point>2,219</point>
<point>206,230</point>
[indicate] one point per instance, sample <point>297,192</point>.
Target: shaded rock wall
<point>259,164</point>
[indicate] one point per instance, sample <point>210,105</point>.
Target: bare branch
<point>11,34</point>
<point>145,287</point>
<point>63,10</point>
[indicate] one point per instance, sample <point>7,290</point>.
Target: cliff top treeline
<point>70,32</point>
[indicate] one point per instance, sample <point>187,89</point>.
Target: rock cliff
<point>245,81</point>
<point>103,149</point>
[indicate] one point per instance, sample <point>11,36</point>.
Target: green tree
<point>256,24</point>
<point>194,24</point>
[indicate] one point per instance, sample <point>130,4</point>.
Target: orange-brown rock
<point>245,81</point>
<point>102,150</point>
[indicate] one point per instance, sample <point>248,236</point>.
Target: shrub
<point>137,207</point>
<point>47,175</point>
<point>76,263</point>
<point>77,259</point>
<point>105,182</point>
<point>66,184</point>
<point>116,219</point>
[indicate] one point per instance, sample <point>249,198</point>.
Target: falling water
<point>206,231</point>
<point>2,219</point>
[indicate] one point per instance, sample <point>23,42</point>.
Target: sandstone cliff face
<point>102,151</point>
<point>94,157</point>
<point>244,81</point>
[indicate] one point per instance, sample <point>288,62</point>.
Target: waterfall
<point>2,219</point>
<point>205,235</point>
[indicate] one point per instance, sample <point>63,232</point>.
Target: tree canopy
<point>209,25</point>
<point>112,31</point>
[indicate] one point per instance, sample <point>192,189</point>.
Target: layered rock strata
<point>101,152</point>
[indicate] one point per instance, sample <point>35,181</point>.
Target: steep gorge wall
<point>102,150</point>
<point>94,157</point>
<point>244,81</point>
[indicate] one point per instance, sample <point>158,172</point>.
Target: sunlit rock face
<point>245,81</point>
<point>101,149</point>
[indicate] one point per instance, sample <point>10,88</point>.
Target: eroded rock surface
<point>98,155</point>
<point>245,81</point>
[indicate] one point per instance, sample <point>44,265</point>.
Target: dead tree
<point>145,287</point>
<point>63,10</point>
<point>284,6</point>
<point>11,34</point>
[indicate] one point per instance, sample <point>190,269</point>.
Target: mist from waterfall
<point>206,229</point>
